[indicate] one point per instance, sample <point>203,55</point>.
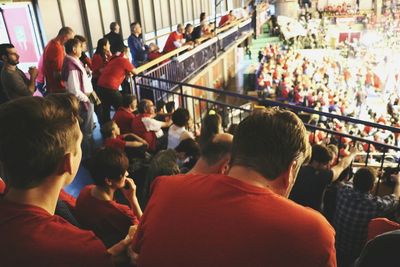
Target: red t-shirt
<point>114,72</point>
<point>224,19</point>
<point>67,198</point>
<point>123,118</point>
<point>109,220</point>
<point>117,143</point>
<point>97,65</point>
<point>52,63</point>
<point>379,226</point>
<point>216,220</point>
<point>30,236</point>
<point>173,37</point>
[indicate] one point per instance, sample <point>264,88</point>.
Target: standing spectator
<point>175,39</point>
<point>13,80</point>
<point>99,61</point>
<point>355,207</point>
<point>139,51</point>
<point>115,38</point>
<point>96,208</point>
<point>188,35</point>
<point>53,59</point>
<point>146,127</point>
<point>177,132</point>
<point>86,61</point>
<point>78,83</point>
<point>244,218</point>
<point>43,136</point>
<point>124,115</point>
<point>111,78</point>
<point>313,179</point>
<point>226,19</point>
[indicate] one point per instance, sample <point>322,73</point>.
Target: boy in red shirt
<point>31,235</point>
<point>124,115</point>
<point>95,207</point>
<point>53,58</point>
<point>113,138</point>
<point>110,79</point>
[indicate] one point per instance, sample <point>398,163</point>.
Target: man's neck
<point>250,176</point>
<point>10,67</point>
<point>44,196</point>
<point>201,167</point>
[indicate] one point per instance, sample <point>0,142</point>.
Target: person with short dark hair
<point>355,207</point>
<point>115,38</point>
<point>95,207</point>
<point>188,35</point>
<point>111,78</point>
<point>40,152</point>
<point>86,61</point>
<point>215,155</point>
<point>53,58</point>
<point>145,126</point>
<point>314,178</point>
<point>124,115</point>
<point>178,132</point>
<point>114,139</point>
<point>243,218</point>
<point>139,51</point>
<point>13,81</point>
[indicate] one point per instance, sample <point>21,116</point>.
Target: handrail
<point>157,37</point>
<point>168,55</point>
<point>276,103</point>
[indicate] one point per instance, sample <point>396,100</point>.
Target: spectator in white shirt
<point>177,132</point>
<point>78,83</point>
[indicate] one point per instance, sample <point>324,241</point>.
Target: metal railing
<point>199,100</point>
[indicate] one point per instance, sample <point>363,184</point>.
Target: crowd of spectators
<point>209,199</point>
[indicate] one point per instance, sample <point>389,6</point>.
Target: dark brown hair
<point>268,142</point>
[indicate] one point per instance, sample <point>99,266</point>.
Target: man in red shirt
<point>53,59</point>
<point>243,218</point>
<point>110,79</point>
<point>175,39</point>
<point>38,165</point>
<point>226,19</point>
<point>124,115</point>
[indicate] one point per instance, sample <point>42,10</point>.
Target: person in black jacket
<point>115,38</point>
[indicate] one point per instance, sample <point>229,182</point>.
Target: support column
<point>378,8</point>
<point>289,8</point>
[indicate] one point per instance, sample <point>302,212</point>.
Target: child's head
<point>109,129</point>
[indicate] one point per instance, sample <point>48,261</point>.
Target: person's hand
<point>33,72</point>
<point>129,189</point>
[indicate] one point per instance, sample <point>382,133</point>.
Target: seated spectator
<point>381,251</point>
<point>154,52</point>
<point>86,61</point>
<point>188,154</point>
<point>211,125</point>
<point>77,82</point>
<point>95,207</point>
<point>215,156</point>
<point>175,39</point>
<point>313,179</point>
<point>160,111</point>
<point>355,207</point>
<point>111,78</point>
<point>50,155</point>
<point>178,132</point>
<point>114,139</point>
<point>146,127</point>
<point>226,19</point>
<point>124,115</point>
<point>247,206</point>
<point>380,226</point>
<point>139,51</point>
<point>13,80</point>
